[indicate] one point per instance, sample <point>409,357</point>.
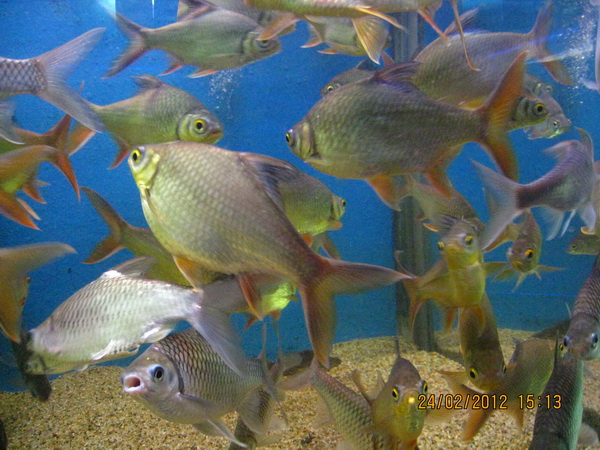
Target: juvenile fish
<point>213,39</point>
<point>236,227</point>
<point>558,418</point>
<point>384,126</point>
<point>183,380</point>
<point>457,280</point>
<point>584,244</point>
<point>140,241</point>
<point>443,74</point>
<point>45,77</point>
<point>19,169</point>
<point>115,314</point>
<point>527,373</point>
<point>341,37</point>
<point>480,347</point>
<point>395,407</point>
<point>158,113</point>
<point>556,123</point>
<point>582,336</point>
<point>566,188</point>
<point>524,254</point>
<point>15,264</point>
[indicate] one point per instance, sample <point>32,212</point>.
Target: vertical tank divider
<point>410,239</point>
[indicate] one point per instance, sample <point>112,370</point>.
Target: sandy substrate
<point>89,410</point>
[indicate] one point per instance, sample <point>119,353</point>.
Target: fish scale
<point>112,316</point>
<point>585,319</point>
<point>203,373</point>
<point>21,76</point>
<point>349,410</point>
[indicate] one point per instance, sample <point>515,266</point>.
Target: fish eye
<point>555,124</point>
<point>473,373</point>
<point>290,138</point>
<point>566,341</point>
<point>425,387</point>
<point>503,367</point>
<point>263,43</point>
<point>395,393</point>
<point>469,239</point>
<point>157,373</point>
<point>529,253</point>
<point>549,89</point>
<point>343,203</point>
<point>200,124</point>
<point>329,88</point>
<point>441,246</point>
<point>540,108</point>
<point>136,155</point>
<point>594,340</point>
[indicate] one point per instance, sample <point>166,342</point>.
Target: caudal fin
<point>505,193</point>
<point>496,114</point>
<point>58,65</point>
<point>336,277</point>
<point>15,264</point>
<point>137,45</point>
<point>112,243</point>
<point>60,159</point>
<point>539,36</point>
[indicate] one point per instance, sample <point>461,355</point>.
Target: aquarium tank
<point>325,191</point>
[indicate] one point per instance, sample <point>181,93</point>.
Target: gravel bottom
<point>89,410</point>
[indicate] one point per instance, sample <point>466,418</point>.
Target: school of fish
<point>230,231</point>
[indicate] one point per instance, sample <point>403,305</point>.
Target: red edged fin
<point>252,294</point>
<point>281,24</point>
<point>191,271</point>
<point>458,22</point>
<point>121,155</point>
<point>387,190</point>
<point>60,159</point>
<point>336,277</point>
<point>427,17</point>
<point>31,189</point>
<point>496,114</point>
<point>436,177</point>
<point>449,317</point>
<point>12,208</point>
<point>307,238</point>
<point>78,137</point>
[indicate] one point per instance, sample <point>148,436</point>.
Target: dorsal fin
<point>147,82</point>
<point>445,222</point>
<point>467,19</point>
<point>133,268</point>
<point>586,140</point>
<point>397,73</point>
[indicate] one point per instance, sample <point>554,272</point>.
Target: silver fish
<point>558,418</point>
<point>45,77</point>
<point>213,39</point>
<point>183,380</point>
<point>582,336</point>
<point>556,123</point>
<point>566,188</point>
<point>115,314</point>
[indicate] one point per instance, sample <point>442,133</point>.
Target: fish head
<point>554,125</point>
<point>330,87</point>
<point>255,48</point>
<point>523,255</point>
<point>199,126</point>
<point>151,378</point>
<point>460,245</point>
<point>584,244</point>
<point>300,140</point>
<point>581,338</point>
<point>530,112</point>
<point>396,409</point>
<point>338,208</point>
<point>143,162</point>
<point>485,369</point>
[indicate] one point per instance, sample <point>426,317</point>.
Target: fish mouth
<point>214,137</point>
<point>132,384</point>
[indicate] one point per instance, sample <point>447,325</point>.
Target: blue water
<point>257,105</point>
